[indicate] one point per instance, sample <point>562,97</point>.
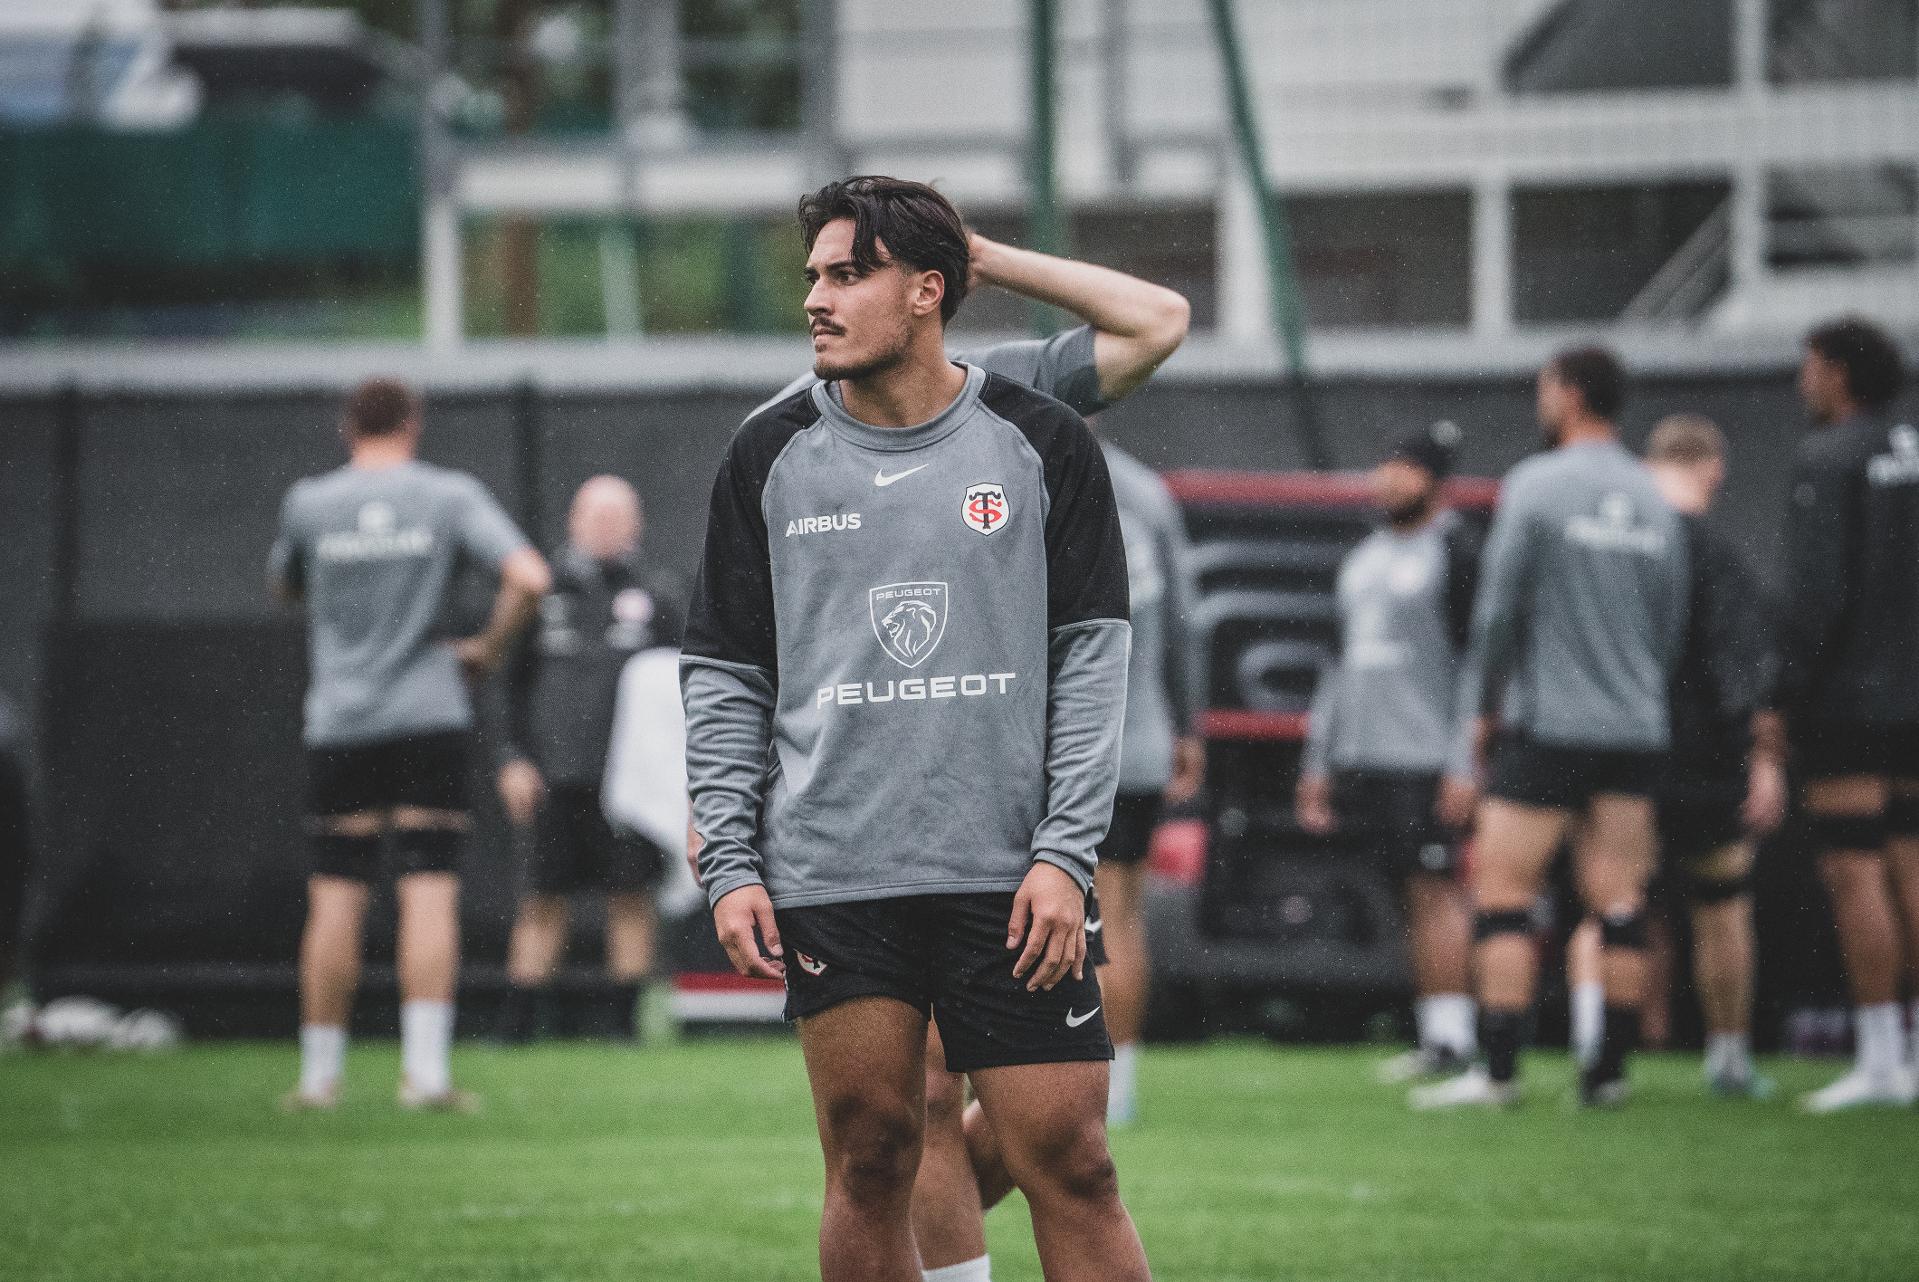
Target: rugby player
<point>560,692</point>
<point>905,677</point>
<point>1851,687</point>
<point>1577,629</point>
<point>1130,326</point>
<point>371,549</point>
<point>1384,756</point>
<point>1726,782</point>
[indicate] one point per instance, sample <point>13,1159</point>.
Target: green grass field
<point>697,1161</point>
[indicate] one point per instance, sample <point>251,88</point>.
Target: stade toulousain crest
<point>986,509</point>
<point>909,619</point>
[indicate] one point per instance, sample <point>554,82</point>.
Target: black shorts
<point>1129,838</point>
<point>1837,749</point>
<point>943,955</point>
<point>428,771</point>
<point>1392,813</point>
<point>1697,816</point>
<point>1551,777</point>
<point>575,848</point>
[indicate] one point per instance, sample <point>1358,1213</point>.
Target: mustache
<point>819,327</point>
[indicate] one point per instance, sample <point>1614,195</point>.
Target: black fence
<point>166,684</point>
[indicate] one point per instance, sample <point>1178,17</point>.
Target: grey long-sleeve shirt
<point>1581,612</point>
<point>1389,702</point>
<point>905,669</point>
<point>1162,686</point>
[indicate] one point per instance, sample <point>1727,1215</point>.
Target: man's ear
<point>929,290</point>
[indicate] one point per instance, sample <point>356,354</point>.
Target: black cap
<point>1435,448</point>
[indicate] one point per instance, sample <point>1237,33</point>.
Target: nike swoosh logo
<point>880,478</point>
<point>1074,1021</point>
<point>1093,926</point>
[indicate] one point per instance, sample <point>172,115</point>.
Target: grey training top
<point>1581,612</point>
<point>374,551</point>
<point>1388,702</point>
<point>905,665</point>
<point>1162,682</point>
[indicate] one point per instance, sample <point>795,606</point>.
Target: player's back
<point>1855,621</point>
<point>1606,599</point>
<point>374,553</point>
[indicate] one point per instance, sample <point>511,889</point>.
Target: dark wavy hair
<point>1875,372</point>
<point>896,220</point>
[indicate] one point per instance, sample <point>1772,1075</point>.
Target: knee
<point>1076,1165</point>
<point>875,1150</point>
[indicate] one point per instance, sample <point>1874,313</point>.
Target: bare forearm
<point>1137,324</point>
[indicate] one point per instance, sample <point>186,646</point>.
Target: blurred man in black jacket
<point>560,693</point>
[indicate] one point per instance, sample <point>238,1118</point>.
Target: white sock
<point>322,1058</point>
<point>1589,1020</point>
<point>1912,1031</point>
<point>1121,1078</point>
<point>1880,1033</point>
<point>1446,1023</point>
<point>980,1270</point>
<point>1729,1053</point>
<point>426,1039</point>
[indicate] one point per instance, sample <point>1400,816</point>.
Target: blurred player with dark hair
<point>1726,782</point>
<point>1385,757</point>
<point>560,692</point>
<point>1577,630</point>
<point>1851,683</point>
<point>904,679</point>
<point>371,549</point>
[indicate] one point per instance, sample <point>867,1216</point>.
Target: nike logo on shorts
<point>1074,1021</point>
<point>881,479</point>
<point>1092,927</point>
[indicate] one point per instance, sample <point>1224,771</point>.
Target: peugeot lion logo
<point>908,619</point>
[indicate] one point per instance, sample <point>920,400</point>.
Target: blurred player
<point>1384,754</point>
<point>1162,760</point>
<point>1577,629</point>
<point>372,549</point>
<point>1725,784</point>
<point>923,622</point>
<point>561,688</point>
<point>1851,683</point>
<point>1130,327</point>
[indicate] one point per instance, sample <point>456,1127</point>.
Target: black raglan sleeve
<point>729,663</point>
<point>1089,629</point>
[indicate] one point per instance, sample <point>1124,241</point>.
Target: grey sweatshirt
<point>1162,684</point>
<point>1581,612</point>
<point>905,667</point>
<point>1389,702</point>
<point>373,552</point>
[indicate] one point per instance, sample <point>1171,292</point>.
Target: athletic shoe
<point>1608,1093</point>
<point>451,1100</point>
<point>1471,1089</point>
<point>299,1101</point>
<point>1744,1083</point>
<point>1862,1089</point>
<point>1421,1065</point>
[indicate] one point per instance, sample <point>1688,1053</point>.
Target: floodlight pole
<point>441,254</point>
<point>1289,320</point>
<point>1045,226</point>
